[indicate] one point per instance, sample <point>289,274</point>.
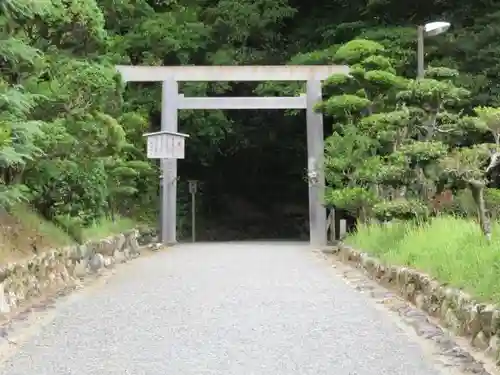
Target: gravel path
<point>232,309</point>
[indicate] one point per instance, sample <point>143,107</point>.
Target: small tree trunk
<point>421,187</point>
<point>112,210</point>
<point>362,215</point>
<point>477,189</point>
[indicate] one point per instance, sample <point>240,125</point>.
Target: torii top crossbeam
<point>227,73</point>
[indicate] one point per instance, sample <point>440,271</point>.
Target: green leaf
<point>343,105</point>
<point>357,50</point>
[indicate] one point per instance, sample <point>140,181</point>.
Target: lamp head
<point>436,28</point>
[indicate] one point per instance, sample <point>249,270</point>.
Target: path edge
<point>32,284</point>
<point>475,323</point>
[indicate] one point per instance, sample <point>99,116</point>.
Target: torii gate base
<point>172,101</point>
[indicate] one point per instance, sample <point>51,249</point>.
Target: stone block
<point>96,262</point>
<point>4,302</point>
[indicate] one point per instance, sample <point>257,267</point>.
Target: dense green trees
<point>397,142</point>
<point>70,133</point>
<point>68,145</point>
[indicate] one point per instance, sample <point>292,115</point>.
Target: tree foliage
<point>71,134</point>
<point>396,141</point>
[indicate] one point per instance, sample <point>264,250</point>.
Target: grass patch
<point>23,233</point>
<point>31,220</point>
<point>452,250</point>
<point>108,227</point>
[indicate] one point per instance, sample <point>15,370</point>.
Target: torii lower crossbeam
<point>267,102</point>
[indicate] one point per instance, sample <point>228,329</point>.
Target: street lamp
<point>429,29</point>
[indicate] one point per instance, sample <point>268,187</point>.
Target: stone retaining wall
<point>54,270</point>
<point>455,309</point>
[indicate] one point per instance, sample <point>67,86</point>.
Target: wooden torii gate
<point>172,101</point>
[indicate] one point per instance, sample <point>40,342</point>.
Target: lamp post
<point>429,29</point>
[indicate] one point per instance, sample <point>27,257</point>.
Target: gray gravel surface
<point>231,308</point>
